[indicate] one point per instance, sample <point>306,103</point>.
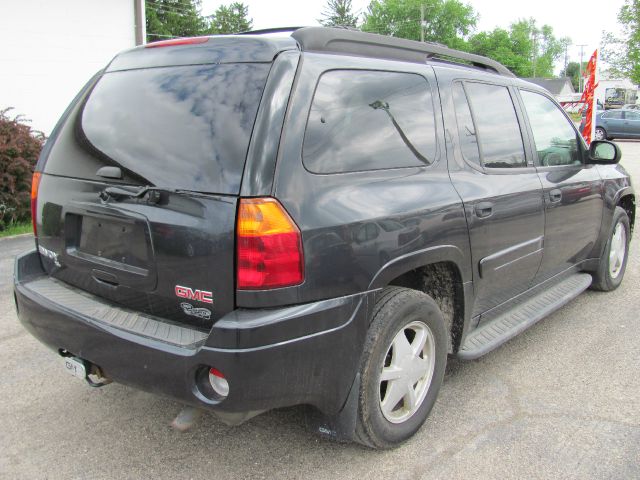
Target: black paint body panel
<point>271,358</point>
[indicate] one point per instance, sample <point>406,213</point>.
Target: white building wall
<point>50,48</point>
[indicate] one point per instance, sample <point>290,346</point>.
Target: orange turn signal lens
<point>35,184</point>
<point>263,216</point>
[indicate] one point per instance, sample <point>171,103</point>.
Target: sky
<point>583,22</point>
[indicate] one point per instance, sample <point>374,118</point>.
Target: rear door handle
<point>484,209</point>
<point>555,195</point>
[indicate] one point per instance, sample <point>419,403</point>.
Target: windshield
<point>185,127</point>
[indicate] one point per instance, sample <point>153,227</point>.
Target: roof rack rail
<point>270,30</point>
<point>337,40</point>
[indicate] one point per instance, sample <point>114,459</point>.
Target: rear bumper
<point>308,354</point>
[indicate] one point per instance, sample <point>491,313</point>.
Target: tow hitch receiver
<point>84,370</point>
<point>75,367</point>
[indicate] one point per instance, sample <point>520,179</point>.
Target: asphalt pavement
<point>561,400</point>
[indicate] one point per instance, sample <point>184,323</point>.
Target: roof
<point>263,46</point>
<point>554,85</point>
<point>355,42</point>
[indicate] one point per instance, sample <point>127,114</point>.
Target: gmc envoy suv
<point>318,217</point>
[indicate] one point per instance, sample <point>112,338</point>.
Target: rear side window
<point>185,127</point>
<point>466,128</point>
<point>497,126</point>
<point>369,120</point>
<point>632,116</point>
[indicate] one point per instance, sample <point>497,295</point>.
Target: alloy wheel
<point>618,250</point>
<point>407,371</point>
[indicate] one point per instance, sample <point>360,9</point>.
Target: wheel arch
<point>627,201</point>
<point>439,273</point>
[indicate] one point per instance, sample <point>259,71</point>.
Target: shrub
<point>19,150</point>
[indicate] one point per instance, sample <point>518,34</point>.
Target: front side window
<point>556,140</point>
<point>369,120</point>
<point>497,126</point>
<point>616,115</point>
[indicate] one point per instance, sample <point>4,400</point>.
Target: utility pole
<point>581,84</point>
<point>422,22</point>
<point>140,22</point>
<point>535,52</point>
<point>566,57</point>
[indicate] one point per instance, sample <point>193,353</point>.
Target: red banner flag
<point>588,93</point>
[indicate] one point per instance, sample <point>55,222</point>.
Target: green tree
<point>445,21</point>
<point>338,13</point>
<point>622,52</point>
<point>525,49</point>
<point>19,150</point>
<point>573,72</point>
<point>233,18</point>
<point>173,18</point>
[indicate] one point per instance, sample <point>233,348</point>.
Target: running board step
<point>511,323</point>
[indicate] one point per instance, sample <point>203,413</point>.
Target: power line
<point>168,10</point>
<point>161,35</point>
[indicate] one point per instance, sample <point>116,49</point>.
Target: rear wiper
<point>120,193</point>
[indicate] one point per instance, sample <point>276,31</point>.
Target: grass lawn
<point>16,229</point>
<point>576,116</point>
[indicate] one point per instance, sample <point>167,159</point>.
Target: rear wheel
<point>402,367</point>
<point>614,259</point>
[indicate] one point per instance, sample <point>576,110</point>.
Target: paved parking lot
<point>562,400</point>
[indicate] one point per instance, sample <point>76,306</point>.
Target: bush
<point>19,150</point>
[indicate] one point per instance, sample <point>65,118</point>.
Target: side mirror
<point>604,153</point>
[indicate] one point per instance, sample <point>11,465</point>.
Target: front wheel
<point>600,134</point>
<point>402,367</point>
<point>614,259</point>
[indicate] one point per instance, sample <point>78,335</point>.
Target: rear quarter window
<point>369,120</point>
<point>497,126</point>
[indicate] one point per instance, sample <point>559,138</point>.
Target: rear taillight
<point>269,246</point>
<point>35,183</point>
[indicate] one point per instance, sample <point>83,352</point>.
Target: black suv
<point>318,218</point>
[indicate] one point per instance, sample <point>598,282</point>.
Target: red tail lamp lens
<point>269,246</point>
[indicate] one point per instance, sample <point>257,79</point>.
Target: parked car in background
<point>610,124</point>
<point>632,106</point>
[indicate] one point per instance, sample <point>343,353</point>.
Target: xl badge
<point>195,312</point>
<point>197,295</point>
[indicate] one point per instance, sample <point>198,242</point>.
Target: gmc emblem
<point>197,295</point>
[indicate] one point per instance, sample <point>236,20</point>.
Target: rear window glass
<point>184,127</point>
<point>369,120</point>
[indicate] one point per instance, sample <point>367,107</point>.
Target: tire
<point>613,265</point>
<point>600,134</point>
<point>401,317</point>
